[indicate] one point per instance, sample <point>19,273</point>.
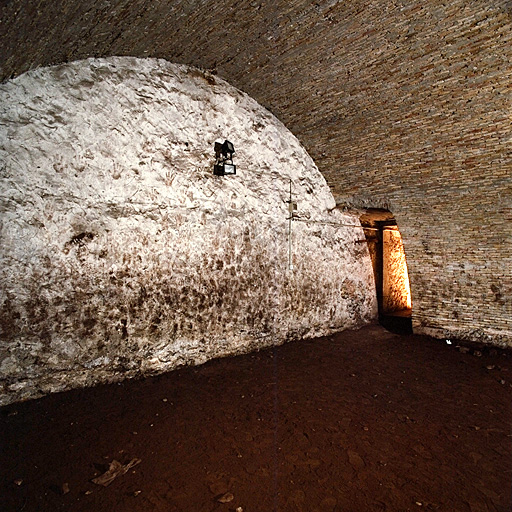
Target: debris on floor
<point>115,469</point>
<point>226,498</point>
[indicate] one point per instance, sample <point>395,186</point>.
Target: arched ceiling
<point>343,76</point>
<point>402,104</point>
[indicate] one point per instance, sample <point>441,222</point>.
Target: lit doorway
<point>390,270</point>
<point>396,291</point>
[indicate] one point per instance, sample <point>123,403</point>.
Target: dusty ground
<point>365,420</point>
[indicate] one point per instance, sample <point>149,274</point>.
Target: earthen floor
<point>361,421</point>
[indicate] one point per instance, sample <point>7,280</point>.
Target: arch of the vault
<point>402,105</point>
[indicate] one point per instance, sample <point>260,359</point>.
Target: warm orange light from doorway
<point>396,289</point>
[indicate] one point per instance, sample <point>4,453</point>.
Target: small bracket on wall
<point>292,208</point>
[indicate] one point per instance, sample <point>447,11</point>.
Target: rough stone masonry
<point>402,104</point>
<point>122,254</point>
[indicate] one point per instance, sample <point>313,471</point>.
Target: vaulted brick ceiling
<point>348,78</point>
<point>404,104</point>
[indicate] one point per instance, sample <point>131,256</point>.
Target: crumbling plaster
<point>122,254</point>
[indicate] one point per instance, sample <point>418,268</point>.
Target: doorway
<point>390,270</point>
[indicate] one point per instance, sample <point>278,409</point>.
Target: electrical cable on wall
<point>291,208</point>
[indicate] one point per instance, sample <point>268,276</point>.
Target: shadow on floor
<point>398,322</point>
<point>364,420</point>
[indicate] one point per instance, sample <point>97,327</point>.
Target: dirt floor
<point>365,420</point>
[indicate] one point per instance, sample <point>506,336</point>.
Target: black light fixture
<point>224,164</point>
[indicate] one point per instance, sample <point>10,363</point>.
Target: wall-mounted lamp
<point>224,164</point>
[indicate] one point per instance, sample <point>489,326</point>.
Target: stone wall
<point>122,254</point>
<point>424,130</point>
<point>402,104</point>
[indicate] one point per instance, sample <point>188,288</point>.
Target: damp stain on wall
<point>122,254</point>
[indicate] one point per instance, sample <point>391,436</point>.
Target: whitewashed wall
<point>122,254</point>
